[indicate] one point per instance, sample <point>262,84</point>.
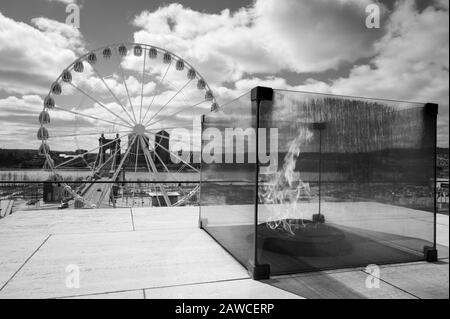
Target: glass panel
<point>353,185</point>
<point>228,187</point>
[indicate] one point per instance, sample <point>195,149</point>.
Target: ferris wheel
<point>107,121</point>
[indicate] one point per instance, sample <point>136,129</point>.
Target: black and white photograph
<point>224,155</point>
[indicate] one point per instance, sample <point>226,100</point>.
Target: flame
<point>283,191</point>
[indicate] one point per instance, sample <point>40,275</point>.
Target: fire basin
<point>307,239</point>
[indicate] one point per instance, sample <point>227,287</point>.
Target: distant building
<point>108,148</point>
<point>137,151</point>
<point>162,147</point>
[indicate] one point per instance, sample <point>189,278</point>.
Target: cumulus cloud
<point>271,36</point>
<point>408,56</point>
<point>412,63</point>
<point>18,120</point>
<point>34,55</point>
<point>406,59</point>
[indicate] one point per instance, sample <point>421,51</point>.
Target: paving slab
<point>133,294</point>
<point>165,218</point>
<point>233,289</point>
<point>337,285</point>
<point>118,261</point>
<point>67,221</point>
<point>14,252</point>
<point>424,280</point>
<point>122,252</point>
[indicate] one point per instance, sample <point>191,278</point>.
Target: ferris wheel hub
<point>139,129</point>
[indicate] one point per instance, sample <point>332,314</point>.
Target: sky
<point>318,46</point>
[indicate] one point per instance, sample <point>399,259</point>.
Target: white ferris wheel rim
<point>84,58</point>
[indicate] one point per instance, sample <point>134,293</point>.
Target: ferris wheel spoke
<point>100,104</point>
<point>157,197</point>
<point>98,169</point>
<point>169,84</point>
<point>83,134</point>
<point>165,137</point>
<point>91,117</point>
<point>122,161</point>
<point>124,81</point>
<point>171,127</point>
<point>178,112</point>
<point>167,170</point>
<point>157,88</point>
<point>190,144</point>
<point>90,151</point>
<point>82,157</point>
<point>142,88</point>
<point>188,196</point>
<point>152,168</point>
<point>111,92</point>
<point>149,161</point>
<point>161,161</point>
<point>175,155</point>
<point>137,145</point>
<point>137,154</point>
<point>170,100</point>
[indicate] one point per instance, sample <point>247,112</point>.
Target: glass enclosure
<point>228,182</point>
<point>341,181</point>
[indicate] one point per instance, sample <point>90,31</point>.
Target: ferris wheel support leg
<point>117,172</point>
<point>152,168</point>
<point>125,156</point>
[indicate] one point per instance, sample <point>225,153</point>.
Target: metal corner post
<point>202,121</point>
<point>258,94</point>
<point>431,110</point>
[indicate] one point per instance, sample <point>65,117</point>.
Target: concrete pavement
<point>161,253</point>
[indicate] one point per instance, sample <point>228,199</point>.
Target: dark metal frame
<point>431,112</point>
<point>258,95</point>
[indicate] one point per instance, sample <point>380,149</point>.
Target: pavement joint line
<point>20,268</point>
<point>125,231</point>
<point>268,282</point>
<point>392,285</point>
<point>318,273</point>
<point>413,263</point>
<point>143,292</point>
<point>132,218</point>
<point>152,288</point>
<point>346,270</point>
